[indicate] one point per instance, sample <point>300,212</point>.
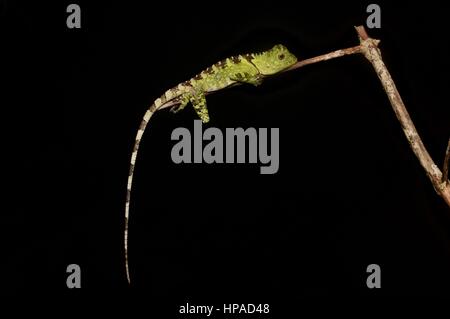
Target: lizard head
<point>274,60</point>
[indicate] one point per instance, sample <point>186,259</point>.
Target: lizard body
<point>246,68</point>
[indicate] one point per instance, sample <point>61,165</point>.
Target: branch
<point>369,48</point>
<point>446,163</point>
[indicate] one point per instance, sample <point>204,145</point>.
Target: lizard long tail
<point>153,108</point>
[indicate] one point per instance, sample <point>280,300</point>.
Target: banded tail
<point>168,96</point>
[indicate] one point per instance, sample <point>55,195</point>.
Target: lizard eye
<point>281,56</point>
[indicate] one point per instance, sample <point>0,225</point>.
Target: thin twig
<point>325,57</point>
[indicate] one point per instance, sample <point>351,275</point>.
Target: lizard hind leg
<point>198,101</point>
<point>183,100</point>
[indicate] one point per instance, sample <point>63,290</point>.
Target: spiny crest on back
<point>274,60</point>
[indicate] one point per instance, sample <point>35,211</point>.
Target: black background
<point>349,191</point>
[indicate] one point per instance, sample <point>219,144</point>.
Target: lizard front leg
<point>245,77</point>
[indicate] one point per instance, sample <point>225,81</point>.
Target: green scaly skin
<point>247,68</point>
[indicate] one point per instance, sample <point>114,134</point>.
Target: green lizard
<point>247,68</point>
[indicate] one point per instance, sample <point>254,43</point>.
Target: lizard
<point>246,68</point>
